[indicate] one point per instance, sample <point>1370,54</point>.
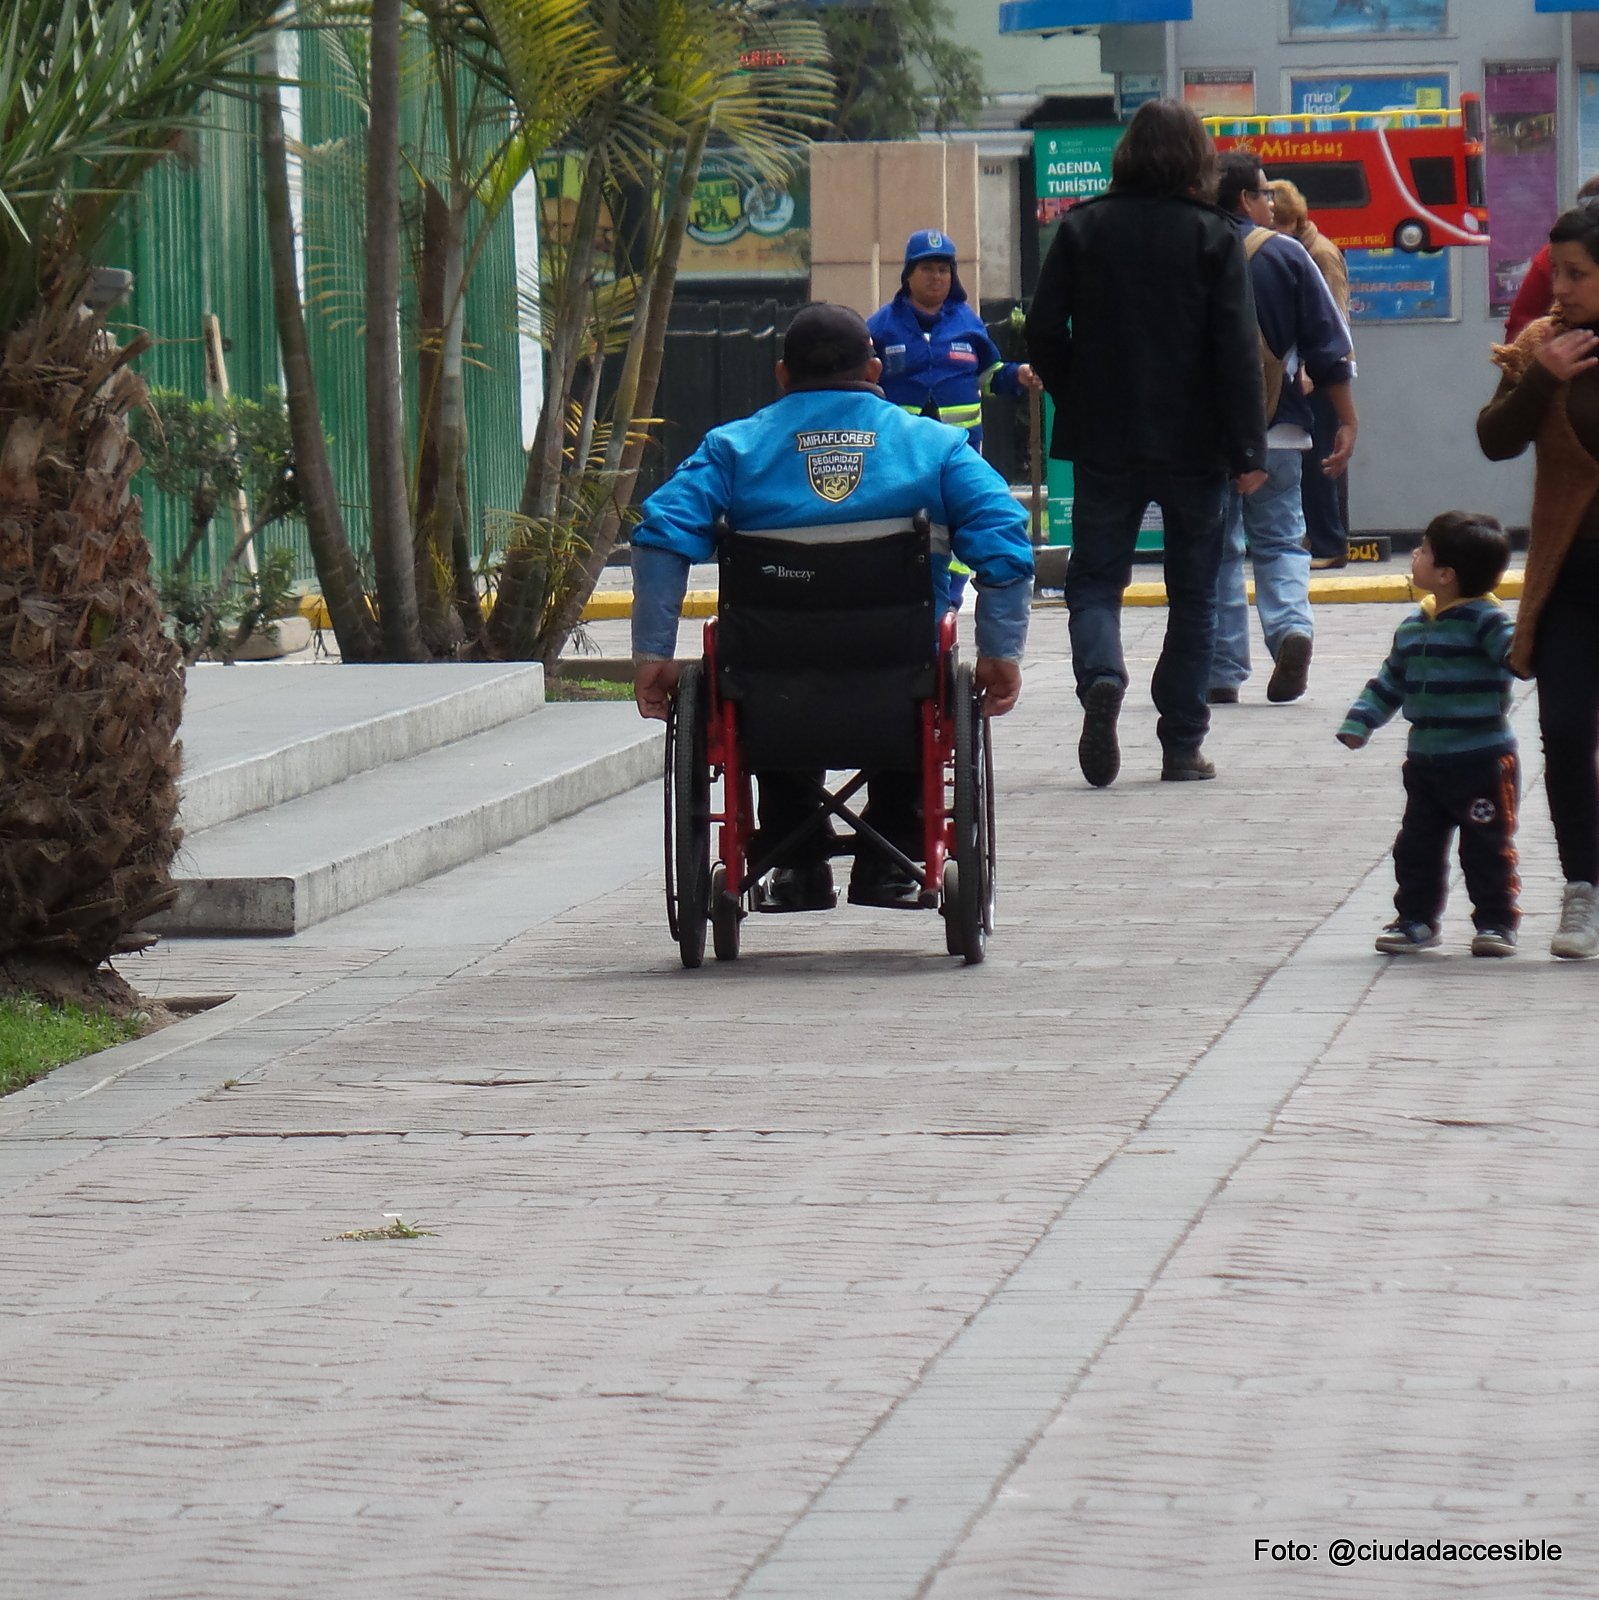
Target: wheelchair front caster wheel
<point>726,915</point>
<point>949,908</point>
<point>962,909</point>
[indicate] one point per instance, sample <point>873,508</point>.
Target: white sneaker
<point>1578,933</point>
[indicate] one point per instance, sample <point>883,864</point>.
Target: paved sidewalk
<point>845,1272</point>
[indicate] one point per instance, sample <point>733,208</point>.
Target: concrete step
<point>255,736</point>
<point>345,845</point>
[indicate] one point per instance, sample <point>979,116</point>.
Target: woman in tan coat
<point>1548,397</point>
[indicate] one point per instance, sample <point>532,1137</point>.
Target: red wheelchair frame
<point>957,772</point>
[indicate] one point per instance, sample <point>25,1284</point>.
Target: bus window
<point>1433,178</point>
<point>1326,185</point>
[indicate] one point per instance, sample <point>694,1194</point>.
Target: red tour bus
<point>1375,180</point>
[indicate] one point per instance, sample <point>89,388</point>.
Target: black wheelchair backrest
<point>826,641</point>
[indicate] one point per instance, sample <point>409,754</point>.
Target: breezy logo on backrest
<point>835,459</point>
<point>775,569</point>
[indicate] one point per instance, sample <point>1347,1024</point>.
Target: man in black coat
<point>1143,330</point>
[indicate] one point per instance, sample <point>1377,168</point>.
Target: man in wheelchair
<point>829,462</point>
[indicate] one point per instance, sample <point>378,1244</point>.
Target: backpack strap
<point>1272,367</point>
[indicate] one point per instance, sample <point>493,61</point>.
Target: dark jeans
<point>893,807</point>
<point>1477,796</point>
<point>1566,664</point>
<point>1325,500</point>
<point>1105,516</point>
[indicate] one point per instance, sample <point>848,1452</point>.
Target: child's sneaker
<point>1402,937</point>
<point>1494,942</point>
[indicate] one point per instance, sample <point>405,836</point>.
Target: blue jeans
<point>1326,527</point>
<point>1270,523</point>
<point>1108,509</point>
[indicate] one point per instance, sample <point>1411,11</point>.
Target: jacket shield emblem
<point>835,474</point>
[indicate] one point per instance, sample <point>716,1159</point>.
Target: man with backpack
<point>1301,330</point>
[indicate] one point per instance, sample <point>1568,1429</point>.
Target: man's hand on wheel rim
<point>654,684</point>
<point>1000,683</point>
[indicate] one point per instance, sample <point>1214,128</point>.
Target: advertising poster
<point>1134,89</point>
<point>1367,19</point>
<point>1071,164</point>
<point>1522,170</point>
<point>1221,92</point>
<point>1386,285</point>
<point>1588,121</point>
<point>742,227</point>
<point>560,182</point>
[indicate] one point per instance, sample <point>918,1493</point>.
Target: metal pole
<point>1035,449</point>
<point>1174,88</point>
<point>1566,109</point>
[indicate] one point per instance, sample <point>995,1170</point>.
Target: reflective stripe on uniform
<point>954,416</point>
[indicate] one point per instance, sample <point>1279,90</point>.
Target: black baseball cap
<point>826,341</point>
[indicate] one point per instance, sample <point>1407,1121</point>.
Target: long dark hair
<point>1165,151</point>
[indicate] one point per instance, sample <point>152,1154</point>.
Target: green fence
<point>195,239</point>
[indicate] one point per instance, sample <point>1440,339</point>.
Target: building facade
<point>1424,327</point>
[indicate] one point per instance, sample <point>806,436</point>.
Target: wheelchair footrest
<point>797,894</point>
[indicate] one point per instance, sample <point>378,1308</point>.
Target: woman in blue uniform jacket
<point>938,359</point>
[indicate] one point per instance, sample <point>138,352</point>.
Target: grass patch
<point>36,1038</point>
<point>563,688</point>
<point>395,1228</point>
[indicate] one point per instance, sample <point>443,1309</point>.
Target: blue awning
<point>1044,16</point>
<point>1540,5</point>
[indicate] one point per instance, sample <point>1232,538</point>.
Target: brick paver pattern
<point>843,1272</point>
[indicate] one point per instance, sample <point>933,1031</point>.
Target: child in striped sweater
<point>1448,672</point>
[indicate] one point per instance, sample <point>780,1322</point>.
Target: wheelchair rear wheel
<point>969,909</point>
<point>688,841</point>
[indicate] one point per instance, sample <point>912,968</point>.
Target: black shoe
<point>798,889</point>
<point>1224,694</point>
<point>1098,753</point>
<point>1325,563</point>
<point>1292,672</point>
<point>889,887</point>
<point>1186,766</point>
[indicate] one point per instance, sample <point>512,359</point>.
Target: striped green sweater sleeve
<point>1450,677</point>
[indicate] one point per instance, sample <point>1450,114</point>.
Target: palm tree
<point>679,82</point>
<point>336,567</point>
<point>392,554</point>
<point>92,94</point>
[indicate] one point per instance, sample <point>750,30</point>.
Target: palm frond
<point>92,94</point>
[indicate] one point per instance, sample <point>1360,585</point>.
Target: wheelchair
<point>824,657</point>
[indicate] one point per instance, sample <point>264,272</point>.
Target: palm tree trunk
<point>392,555</point>
<point>91,690</point>
<point>442,542</point>
<point>336,569</point>
<point>524,579</point>
<point>629,452</point>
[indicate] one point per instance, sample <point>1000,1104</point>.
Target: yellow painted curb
<point>616,605</point>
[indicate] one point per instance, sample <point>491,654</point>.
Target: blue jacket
<point>1300,320</point>
<point>828,457</point>
<point>950,366</point>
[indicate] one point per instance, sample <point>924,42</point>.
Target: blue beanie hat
<point>929,244</point>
